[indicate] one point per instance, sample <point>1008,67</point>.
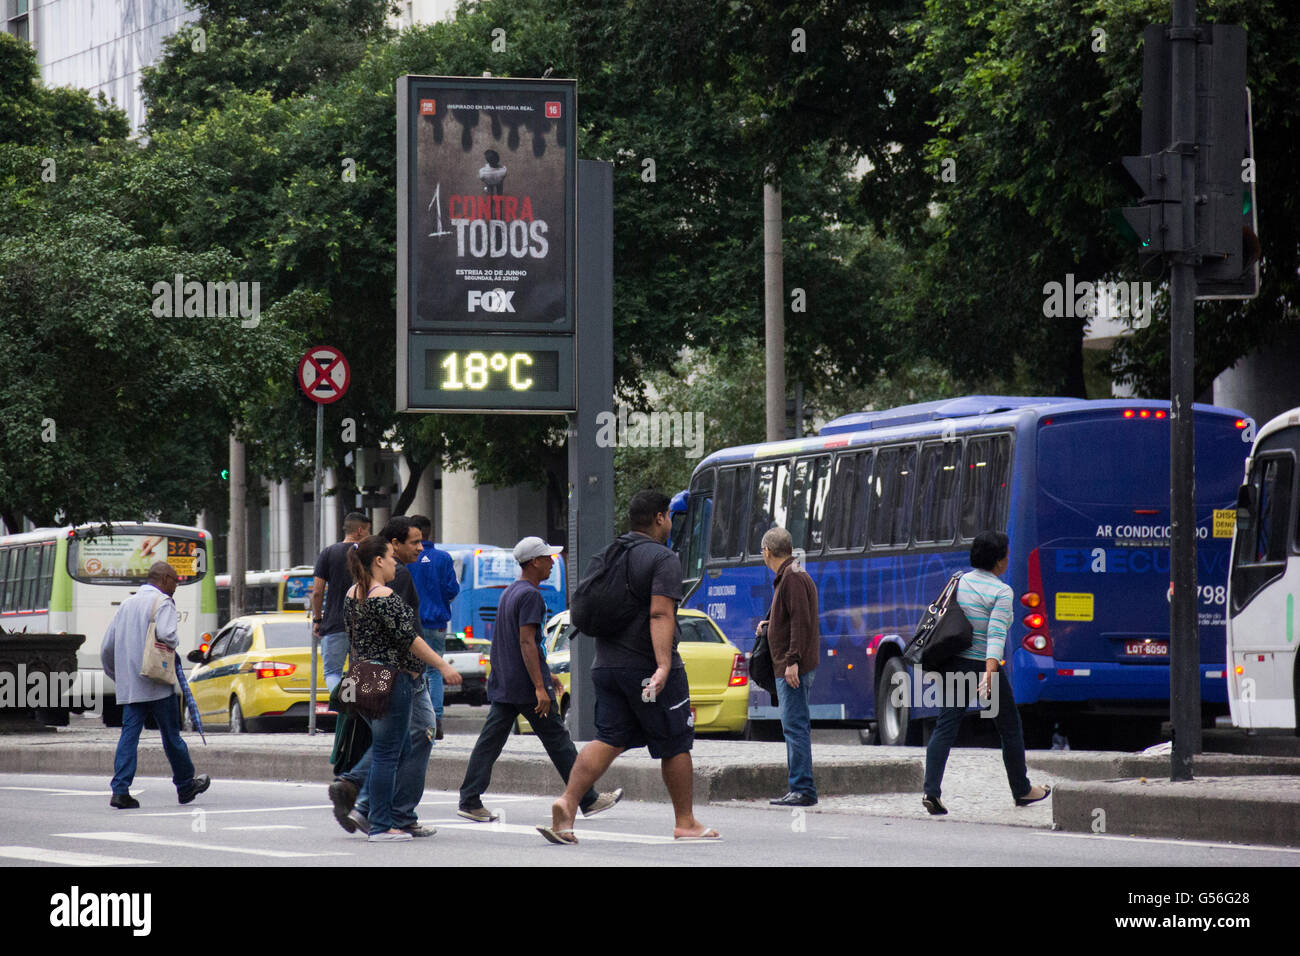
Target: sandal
<point>558,836</point>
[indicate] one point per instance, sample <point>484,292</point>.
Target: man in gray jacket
<point>122,655</point>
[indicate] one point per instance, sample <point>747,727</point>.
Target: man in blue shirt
<point>434,574</point>
<point>521,683</point>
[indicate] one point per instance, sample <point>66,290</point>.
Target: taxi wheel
<point>237,725</point>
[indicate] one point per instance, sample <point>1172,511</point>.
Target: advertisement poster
<point>491,217</point>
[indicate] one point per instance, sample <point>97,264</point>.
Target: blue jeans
<point>334,649</point>
<point>412,765</point>
<point>1006,721</point>
<point>496,730</point>
<point>437,640</point>
<point>797,726</point>
<point>166,713</point>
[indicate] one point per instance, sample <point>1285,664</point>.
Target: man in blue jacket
<point>434,574</point>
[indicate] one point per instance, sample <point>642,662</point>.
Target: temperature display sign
<point>492,373</point>
<point>487,185</point>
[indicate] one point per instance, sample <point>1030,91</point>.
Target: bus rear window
<point>124,558</point>
<point>1126,463</point>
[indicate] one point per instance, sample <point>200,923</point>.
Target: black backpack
<point>604,604</point>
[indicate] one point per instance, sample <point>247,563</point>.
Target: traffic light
<point>225,474</point>
<point>1224,232</point>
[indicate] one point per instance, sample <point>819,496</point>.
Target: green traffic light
<point>225,474</point>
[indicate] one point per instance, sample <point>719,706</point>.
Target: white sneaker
<point>388,836</point>
<point>604,802</point>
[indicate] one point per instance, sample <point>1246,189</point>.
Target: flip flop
<point>558,836</point>
<point>708,834</point>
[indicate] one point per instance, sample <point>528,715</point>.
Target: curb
<point>1112,766</point>
<point>1254,810</point>
<point>640,777</point>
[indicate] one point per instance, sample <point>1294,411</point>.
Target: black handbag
<point>761,671</point>
<point>944,631</point>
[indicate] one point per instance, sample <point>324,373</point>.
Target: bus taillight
<point>1037,641</point>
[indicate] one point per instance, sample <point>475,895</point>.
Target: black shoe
<point>437,732</point>
<point>1026,800</point>
<point>343,794</point>
<point>194,788</point>
<point>793,799</point>
<point>933,805</point>
<point>124,801</point>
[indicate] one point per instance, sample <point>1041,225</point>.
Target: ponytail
<point>361,557</point>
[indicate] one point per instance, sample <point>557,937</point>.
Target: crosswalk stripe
<point>150,840</point>
<point>605,836</point>
<point>207,812</point>
<point>1172,842</point>
<point>65,792</point>
<point>38,854</point>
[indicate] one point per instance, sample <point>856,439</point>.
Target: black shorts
<point>623,719</point>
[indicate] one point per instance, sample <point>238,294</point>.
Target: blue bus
<point>883,506</point>
<point>484,571</point>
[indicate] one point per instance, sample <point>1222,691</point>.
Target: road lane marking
<point>38,854</point>
<point>1133,839</point>
<point>268,826</point>
<point>604,836</point>
<point>65,792</point>
<point>151,840</point>
<point>207,812</point>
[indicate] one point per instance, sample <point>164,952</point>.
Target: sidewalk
<point>1238,799</point>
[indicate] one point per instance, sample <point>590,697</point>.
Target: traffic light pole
<point>1184,651</point>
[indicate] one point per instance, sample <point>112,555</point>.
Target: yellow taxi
<point>256,673</point>
<point>718,673</point>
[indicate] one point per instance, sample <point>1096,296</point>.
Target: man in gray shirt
<point>122,654</point>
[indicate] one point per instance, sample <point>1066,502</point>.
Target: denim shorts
<point>663,726</point>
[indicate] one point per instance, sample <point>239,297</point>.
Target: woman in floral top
<point>382,628</point>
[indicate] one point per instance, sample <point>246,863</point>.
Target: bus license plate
<point>1146,649</point>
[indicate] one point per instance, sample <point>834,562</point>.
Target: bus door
<point>1265,580</point>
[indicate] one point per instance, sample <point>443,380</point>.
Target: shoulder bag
<point>944,631</point>
<point>158,663</point>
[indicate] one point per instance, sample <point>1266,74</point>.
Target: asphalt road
<point>66,821</point>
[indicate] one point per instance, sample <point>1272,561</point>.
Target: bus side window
<point>14,579</point>
<point>984,485</point>
<point>1273,520</point>
<point>770,504</point>
<point>936,494</point>
<point>4,567</point>
<point>47,576</point>
<point>31,576</point>
<point>730,506</point>
<point>808,499</point>
<point>891,500</point>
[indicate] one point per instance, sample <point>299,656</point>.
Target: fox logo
<point>494,300</point>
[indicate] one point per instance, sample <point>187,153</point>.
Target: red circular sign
<point>323,374</point>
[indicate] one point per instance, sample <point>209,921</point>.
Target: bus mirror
<point>1245,507</point>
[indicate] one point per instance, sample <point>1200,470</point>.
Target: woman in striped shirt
<point>986,601</point>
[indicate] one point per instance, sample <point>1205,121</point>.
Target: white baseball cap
<point>530,548</point>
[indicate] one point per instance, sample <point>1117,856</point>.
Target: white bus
<point>72,581</point>
<point>1265,581</point>
<point>268,592</point>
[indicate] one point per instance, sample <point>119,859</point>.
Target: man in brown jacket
<point>793,638</point>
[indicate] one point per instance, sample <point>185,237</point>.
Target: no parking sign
<point>324,375</point>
